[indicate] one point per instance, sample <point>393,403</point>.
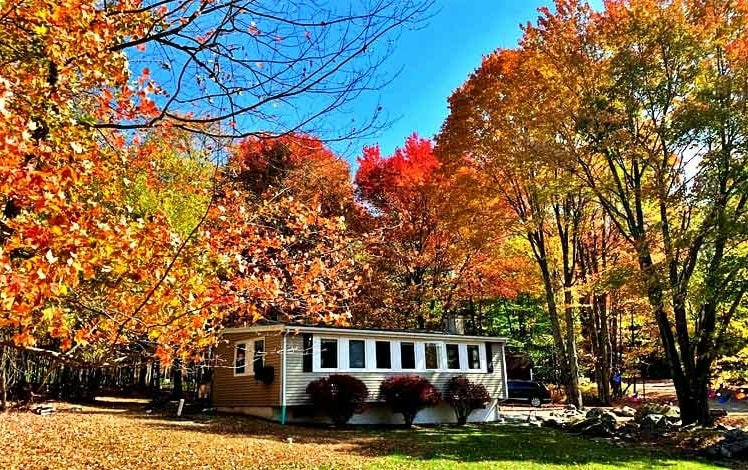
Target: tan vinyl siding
<point>297,379</point>
<point>230,390</point>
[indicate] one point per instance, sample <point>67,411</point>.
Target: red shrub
<point>465,396</point>
<point>339,396</point>
<point>408,394</point>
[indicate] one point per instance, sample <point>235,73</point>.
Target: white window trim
<point>249,355</point>
<point>482,360</point>
<point>317,354</point>
<point>395,357</point>
<point>461,360</point>
<point>441,356</point>
<point>373,346</point>
<point>347,354</point>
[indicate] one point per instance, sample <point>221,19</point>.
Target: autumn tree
<point>606,282</point>
<point>652,90</point>
<point>285,248</point>
<point>495,128</point>
<point>412,248</point>
<point>426,243</point>
<point>93,268</point>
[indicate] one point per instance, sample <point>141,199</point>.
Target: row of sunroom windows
<point>322,354</point>
<point>329,354</point>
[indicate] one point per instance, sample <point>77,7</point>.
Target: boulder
<point>609,420</point>
<point>733,445</point>
<point>629,430</point>
<point>672,413</point>
<point>598,423</point>
<point>598,429</point>
<point>595,412</point>
<point>736,434</point>
<point>624,412</point>
<point>582,424</point>
<point>654,425</point>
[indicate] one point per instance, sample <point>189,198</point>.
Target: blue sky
<point>432,60</point>
<point>439,57</point>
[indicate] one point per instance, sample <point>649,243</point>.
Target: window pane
<point>384,360</point>
<point>241,358</point>
<point>432,356</point>
<point>306,341</point>
<point>356,354</point>
<point>489,359</point>
<point>258,359</point>
<point>453,356</point>
<point>329,353</point>
<point>408,355</point>
<point>473,356</point>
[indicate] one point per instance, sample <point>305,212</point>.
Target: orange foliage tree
<point>426,247</point>
<point>639,109</point>
<point>99,257</point>
<point>279,224</point>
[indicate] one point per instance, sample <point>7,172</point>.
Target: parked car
<point>526,390</point>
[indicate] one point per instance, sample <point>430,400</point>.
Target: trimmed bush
<point>408,394</point>
<point>465,396</point>
<point>340,396</point>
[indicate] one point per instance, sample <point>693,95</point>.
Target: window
<point>407,355</point>
<point>328,353</point>
<point>431,354</point>
<point>240,359</point>
<point>473,356</point>
<point>384,359</point>
<point>258,357</point>
<point>357,354</point>
<point>250,352</point>
<point>453,356</point>
<point>307,355</point>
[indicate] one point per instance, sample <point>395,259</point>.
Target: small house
<point>266,368</point>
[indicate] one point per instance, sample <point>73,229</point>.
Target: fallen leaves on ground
<point>87,437</point>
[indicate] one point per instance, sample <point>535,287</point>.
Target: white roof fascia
<point>254,329</point>
<point>389,334</point>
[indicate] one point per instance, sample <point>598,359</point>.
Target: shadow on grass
<point>500,444</point>
<point>492,445</point>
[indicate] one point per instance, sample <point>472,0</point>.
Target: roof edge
<point>362,332</point>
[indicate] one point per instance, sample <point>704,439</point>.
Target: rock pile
<point>733,445</point>
<point>650,421</point>
<point>596,423</point>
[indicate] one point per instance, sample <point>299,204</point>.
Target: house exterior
<point>265,369</point>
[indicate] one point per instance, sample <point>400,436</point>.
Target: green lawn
<point>516,447</point>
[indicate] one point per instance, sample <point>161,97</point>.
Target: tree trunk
<point>409,417</point>
<point>176,377</point>
<point>691,390</point>
<point>572,386</point>
<point>3,380</point>
<point>605,345</point>
<point>142,375</point>
<point>558,341</point>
